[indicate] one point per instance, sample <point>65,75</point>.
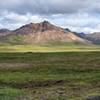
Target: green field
<point>49,76</point>
<point>48,48</point>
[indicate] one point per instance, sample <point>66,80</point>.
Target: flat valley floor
<point>49,76</point>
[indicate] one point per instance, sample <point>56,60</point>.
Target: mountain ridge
<point>41,33</point>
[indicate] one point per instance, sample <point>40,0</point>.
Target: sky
<point>77,15</point>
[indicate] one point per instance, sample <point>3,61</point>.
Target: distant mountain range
<point>93,37</point>
<point>46,33</point>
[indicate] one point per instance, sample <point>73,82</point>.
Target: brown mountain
<point>42,33</point>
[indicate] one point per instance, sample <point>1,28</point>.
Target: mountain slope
<point>4,32</point>
<point>94,37</point>
<point>42,33</point>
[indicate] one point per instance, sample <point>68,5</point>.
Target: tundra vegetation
<point>49,76</point>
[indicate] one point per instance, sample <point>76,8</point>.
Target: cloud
<point>78,15</point>
<point>14,20</point>
<point>50,6</point>
<point>15,17</point>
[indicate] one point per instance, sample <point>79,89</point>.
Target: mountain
<point>81,35</point>
<point>94,37</point>
<point>4,32</point>
<point>42,33</point>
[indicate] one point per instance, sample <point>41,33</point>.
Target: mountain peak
<point>4,30</point>
<point>41,23</point>
<point>45,25</point>
<point>46,22</point>
<point>35,27</point>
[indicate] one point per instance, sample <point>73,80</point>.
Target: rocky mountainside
<point>41,33</point>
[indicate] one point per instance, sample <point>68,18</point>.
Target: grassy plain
<point>49,76</point>
<point>49,48</point>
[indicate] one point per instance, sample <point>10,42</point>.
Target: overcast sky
<point>78,15</point>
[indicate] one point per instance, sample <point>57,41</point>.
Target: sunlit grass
<point>48,48</point>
